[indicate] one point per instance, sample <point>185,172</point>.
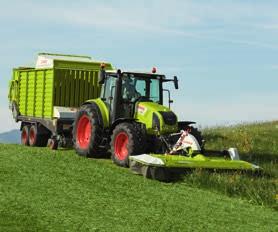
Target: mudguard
<point>103,110</point>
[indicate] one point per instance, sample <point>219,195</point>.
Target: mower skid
<point>155,172</point>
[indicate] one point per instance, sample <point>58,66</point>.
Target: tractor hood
<point>158,119</point>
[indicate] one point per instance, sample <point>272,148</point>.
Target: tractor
<point>128,118</point>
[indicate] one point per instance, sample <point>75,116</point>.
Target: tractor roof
<point>139,74</point>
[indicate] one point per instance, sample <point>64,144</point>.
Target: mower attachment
<point>159,166</point>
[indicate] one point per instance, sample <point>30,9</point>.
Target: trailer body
<point>50,93</point>
<point>57,83</point>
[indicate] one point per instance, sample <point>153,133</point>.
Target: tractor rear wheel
<point>87,131</point>
<point>127,139</point>
<point>25,135</point>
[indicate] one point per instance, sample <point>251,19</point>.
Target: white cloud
<point>175,12</point>
<point>178,18</point>
<point>275,66</point>
<point>114,15</point>
<point>268,26</point>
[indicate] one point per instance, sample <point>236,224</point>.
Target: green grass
<point>258,144</point>
<point>43,190</point>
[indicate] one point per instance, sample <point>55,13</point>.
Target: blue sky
<point>225,53</point>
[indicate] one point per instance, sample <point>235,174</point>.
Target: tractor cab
<point>123,91</point>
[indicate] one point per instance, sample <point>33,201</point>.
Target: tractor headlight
<point>155,122</point>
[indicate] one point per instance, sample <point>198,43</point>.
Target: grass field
<point>258,144</point>
<point>43,190</point>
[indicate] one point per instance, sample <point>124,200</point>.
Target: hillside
<point>257,143</point>
<point>12,137</point>
<point>42,189</point>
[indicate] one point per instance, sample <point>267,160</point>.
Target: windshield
<point>135,87</point>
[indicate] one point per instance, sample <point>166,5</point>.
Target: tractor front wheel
<point>126,140</point>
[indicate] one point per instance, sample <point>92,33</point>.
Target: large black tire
<point>127,139</point>
<point>87,131</point>
<point>37,137</point>
<point>25,135</point>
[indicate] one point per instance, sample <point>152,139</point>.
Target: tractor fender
<point>102,110</point>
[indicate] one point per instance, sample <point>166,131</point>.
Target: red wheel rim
<point>120,146</point>
<point>84,129</point>
<point>32,136</point>
<point>24,137</point>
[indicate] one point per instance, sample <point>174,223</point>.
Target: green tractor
<point>128,118</point>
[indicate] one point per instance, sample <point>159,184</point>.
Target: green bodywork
<point>68,83</point>
<point>201,161</point>
<point>143,114</point>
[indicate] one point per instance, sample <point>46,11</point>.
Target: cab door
<point>108,92</point>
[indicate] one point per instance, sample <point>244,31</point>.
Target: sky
<point>225,53</point>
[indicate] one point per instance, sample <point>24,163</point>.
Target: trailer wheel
<point>25,136</point>
<point>36,139</point>
<point>87,131</point>
<point>53,144</point>
<point>127,139</point>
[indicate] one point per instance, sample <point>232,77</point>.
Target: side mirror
<point>102,75</point>
<point>176,82</point>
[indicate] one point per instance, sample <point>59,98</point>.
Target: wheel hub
<point>83,134</point>
<point>120,145</point>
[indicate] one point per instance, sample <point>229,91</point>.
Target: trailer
<point>45,98</point>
